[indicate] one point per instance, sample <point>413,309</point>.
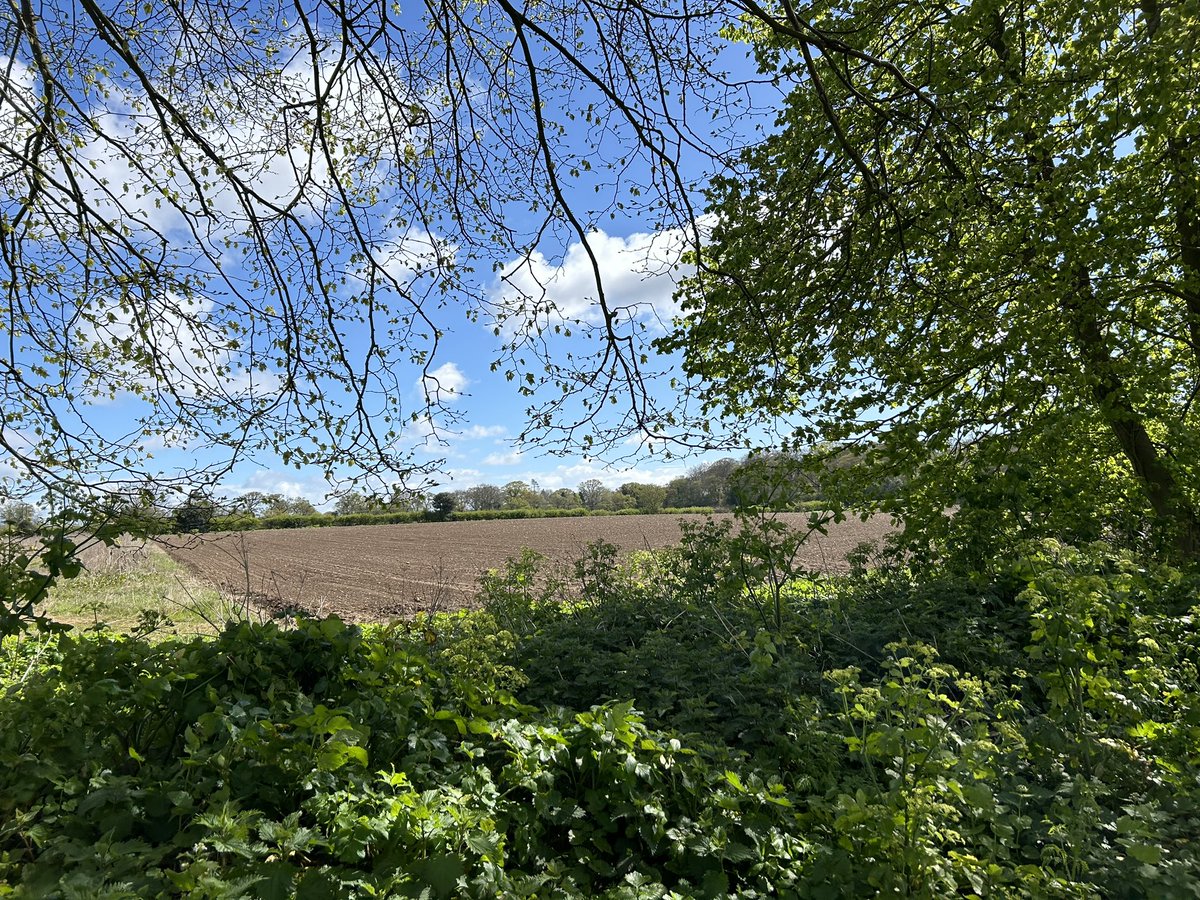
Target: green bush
<point>948,736</point>
<point>242,522</point>
<point>329,759</point>
<point>478,515</point>
<point>632,728</point>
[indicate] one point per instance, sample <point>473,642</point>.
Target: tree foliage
<point>704,485</point>
<point>646,498</point>
<point>195,514</point>
<point>981,262</point>
<point>19,517</point>
<point>217,211</point>
<point>444,503</point>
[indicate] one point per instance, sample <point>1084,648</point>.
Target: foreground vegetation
<point>641,729</point>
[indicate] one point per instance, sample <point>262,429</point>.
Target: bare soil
<point>379,572</point>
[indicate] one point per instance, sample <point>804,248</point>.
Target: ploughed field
<point>373,572</point>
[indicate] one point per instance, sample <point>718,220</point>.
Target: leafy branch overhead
<point>262,220</point>
<point>983,263</point>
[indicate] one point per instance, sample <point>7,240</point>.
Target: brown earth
<point>373,572</point>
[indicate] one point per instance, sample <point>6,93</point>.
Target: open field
<point>370,572</point>
<point>120,585</point>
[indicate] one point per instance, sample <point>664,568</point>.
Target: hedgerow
<point>407,517</point>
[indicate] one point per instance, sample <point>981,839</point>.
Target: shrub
<point>632,728</point>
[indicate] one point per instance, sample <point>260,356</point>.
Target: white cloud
<point>174,438</point>
<point>271,481</point>
<point>639,275</point>
<point>259,120</point>
<point>478,432</point>
<point>468,476</point>
<point>503,459</point>
<point>444,384</point>
<point>19,108</point>
<point>414,254</point>
<point>187,348</point>
<point>422,431</point>
<point>22,443</point>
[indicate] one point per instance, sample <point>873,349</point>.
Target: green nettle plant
<point>634,731</point>
<point>925,752</point>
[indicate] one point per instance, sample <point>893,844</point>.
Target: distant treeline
<point>777,481</point>
<point>246,523</point>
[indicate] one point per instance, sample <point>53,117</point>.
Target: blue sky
<point>478,411</point>
<point>483,446</point>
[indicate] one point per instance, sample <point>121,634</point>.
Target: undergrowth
<point>649,728</point>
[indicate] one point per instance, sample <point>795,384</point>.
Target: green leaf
<point>1145,853</point>
<point>441,873</point>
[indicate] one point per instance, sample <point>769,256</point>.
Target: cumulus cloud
<point>19,107</point>
<point>639,274</point>
<point>422,431</point>
<point>267,146</point>
<point>469,476</point>
<point>259,118</point>
<point>478,432</point>
<point>416,253</point>
<point>272,481</point>
<point>445,384</point>
<point>186,345</point>
<point>503,459</point>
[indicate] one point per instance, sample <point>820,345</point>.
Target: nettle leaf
<point>1145,853</point>
<point>441,873</point>
<point>336,754</point>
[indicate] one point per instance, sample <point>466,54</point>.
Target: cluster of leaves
<point>30,567</point>
<point>907,266</point>
<point>631,729</point>
<point>323,761</point>
<point>1031,733</point>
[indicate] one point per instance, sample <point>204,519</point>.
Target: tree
<point>562,498</point>
<point>484,496</point>
<point>249,219</point>
<point>592,493</point>
<point>20,517</point>
<point>139,514</point>
<point>351,504</point>
<point>245,219</point>
<point>403,499</point>
<point>289,506</point>
<point>704,485</point>
<point>251,503</point>
<point>647,498</point>
<point>195,514</point>
<point>519,495</point>
<point>443,504</point>
<point>615,501</point>
<point>972,249</point>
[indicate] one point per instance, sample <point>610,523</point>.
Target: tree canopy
<point>981,262</point>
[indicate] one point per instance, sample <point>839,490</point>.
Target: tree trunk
<point>1175,517</point>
